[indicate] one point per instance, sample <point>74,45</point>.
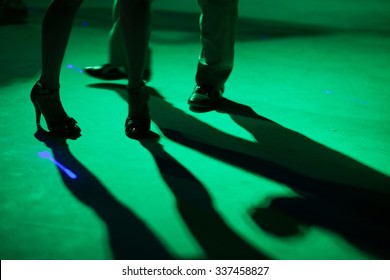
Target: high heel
<point>47,103</point>
<point>137,124</point>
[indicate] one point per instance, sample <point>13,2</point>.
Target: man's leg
<point>116,45</point>
<point>116,68</point>
<point>218,31</point>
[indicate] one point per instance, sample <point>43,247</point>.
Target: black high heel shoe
<point>137,124</point>
<point>47,102</point>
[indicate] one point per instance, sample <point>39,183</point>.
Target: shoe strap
<point>45,90</point>
<point>137,89</point>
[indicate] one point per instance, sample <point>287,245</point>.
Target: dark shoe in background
<point>111,72</point>
<point>204,97</point>
<point>106,72</point>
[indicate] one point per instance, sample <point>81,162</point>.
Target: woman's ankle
<point>136,87</point>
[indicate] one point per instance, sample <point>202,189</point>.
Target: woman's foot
<point>47,102</point>
<point>137,124</point>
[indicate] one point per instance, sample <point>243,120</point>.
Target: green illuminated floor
<point>293,164</point>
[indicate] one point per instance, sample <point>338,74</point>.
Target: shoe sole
<point>206,106</point>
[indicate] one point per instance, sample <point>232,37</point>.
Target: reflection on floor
<point>292,164</point>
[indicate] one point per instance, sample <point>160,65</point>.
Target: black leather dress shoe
<point>204,97</point>
<point>112,72</point>
<point>106,72</point>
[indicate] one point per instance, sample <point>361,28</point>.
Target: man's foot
<point>112,72</point>
<point>204,97</point>
<point>10,13</point>
<point>106,72</point>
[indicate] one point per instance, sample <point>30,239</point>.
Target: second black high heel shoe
<point>137,124</point>
<point>47,103</point>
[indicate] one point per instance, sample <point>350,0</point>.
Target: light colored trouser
<point>218,22</point>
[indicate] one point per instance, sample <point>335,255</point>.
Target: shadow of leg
<point>129,237</point>
<point>196,208</point>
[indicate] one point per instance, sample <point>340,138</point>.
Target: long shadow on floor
<point>337,192</point>
<point>129,237</point>
<point>195,206</point>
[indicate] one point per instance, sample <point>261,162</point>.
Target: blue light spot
<point>44,154</point>
<point>328,91</point>
<point>70,66</point>
<point>360,101</point>
<point>85,23</point>
<point>47,155</point>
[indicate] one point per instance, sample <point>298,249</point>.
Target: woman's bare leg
<point>56,29</point>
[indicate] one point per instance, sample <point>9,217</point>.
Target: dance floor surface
<point>293,164</point>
